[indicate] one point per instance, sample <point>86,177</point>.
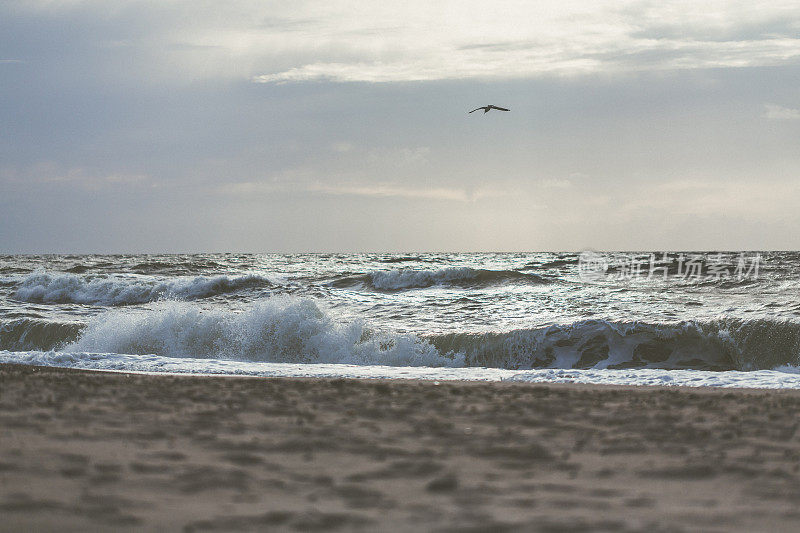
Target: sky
<point>258,126</point>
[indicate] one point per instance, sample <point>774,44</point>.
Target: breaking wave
<point>296,330</point>
<point>46,287</point>
<point>279,329</point>
<point>396,280</point>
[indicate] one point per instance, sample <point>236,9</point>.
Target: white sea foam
<point>765,379</point>
<point>56,287</point>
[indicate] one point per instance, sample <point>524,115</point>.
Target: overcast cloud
<point>341,126</point>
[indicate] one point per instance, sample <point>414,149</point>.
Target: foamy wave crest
<point>395,280</point>
<point>725,344</point>
<point>47,287</point>
<point>280,330</point>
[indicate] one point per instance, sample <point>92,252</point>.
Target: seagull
<point>488,107</point>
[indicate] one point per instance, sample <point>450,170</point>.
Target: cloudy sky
<point>342,126</point>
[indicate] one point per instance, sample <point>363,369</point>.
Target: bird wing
<point>474,110</point>
<point>499,108</point>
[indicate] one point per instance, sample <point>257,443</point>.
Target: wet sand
<point>86,451</point>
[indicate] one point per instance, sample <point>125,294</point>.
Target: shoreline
<point>783,378</point>
<point>86,449</point>
<point>578,385</point>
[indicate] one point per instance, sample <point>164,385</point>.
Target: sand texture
<point>100,451</point>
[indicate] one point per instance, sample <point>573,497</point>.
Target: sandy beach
<point>85,451</point>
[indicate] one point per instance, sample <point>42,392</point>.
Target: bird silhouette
<point>489,107</point>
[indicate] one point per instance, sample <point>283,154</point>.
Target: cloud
<point>371,190</point>
<point>513,40</point>
<point>388,190</point>
<point>361,41</point>
<point>702,199</point>
<point>555,183</point>
<point>527,60</point>
<point>50,174</point>
<point>776,112</point>
<point>342,147</point>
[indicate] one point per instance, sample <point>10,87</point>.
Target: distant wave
<point>147,267</point>
<point>557,263</point>
<point>296,330</point>
<point>171,266</point>
<point>47,287</point>
<point>402,259</point>
<point>14,270</point>
<point>396,280</point>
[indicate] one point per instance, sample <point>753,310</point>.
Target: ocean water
<point>623,318</point>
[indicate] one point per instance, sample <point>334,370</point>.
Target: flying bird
<point>488,107</point>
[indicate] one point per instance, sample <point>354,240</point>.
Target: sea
<point>720,319</point>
